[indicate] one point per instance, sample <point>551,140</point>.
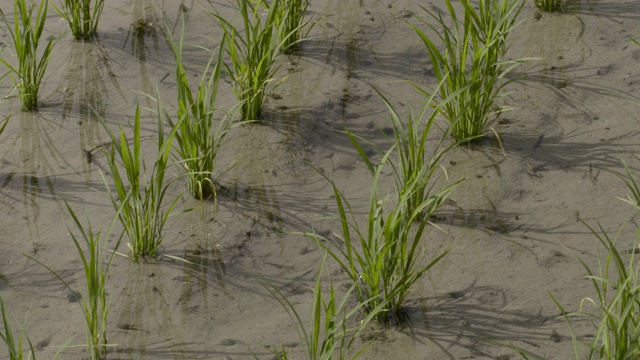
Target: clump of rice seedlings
<point>471,59</point>
<point>328,335</point>
<point>198,141</point>
<point>390,259</point>
<point>14,349</point>
<point>25,35</point>
<point>94,304</point>
<point>294,27</point>
<point>140,195</point>
<point>414,165</point>
<point>82,16</point>
<point>549,5</point>
<point>616,318</point>
<point>253,50</point>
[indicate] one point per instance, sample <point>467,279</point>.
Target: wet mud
<point>513,226</point>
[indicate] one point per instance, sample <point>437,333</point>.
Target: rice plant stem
<point>82,16</point>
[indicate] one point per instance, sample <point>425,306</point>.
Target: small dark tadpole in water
<point>538,141</point>
<point>88,156</point>
<point>42,344</point>
<point>229,342</point>
<point>74,296</point>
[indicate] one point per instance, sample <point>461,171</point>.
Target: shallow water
<point>512,226</point>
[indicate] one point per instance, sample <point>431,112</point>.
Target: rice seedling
<point>411,146</point>
<point>632,185</point>
<point>616,319</point>
<point>25,35</point>
<point>14,349</point>
<point>82,16</point>
<point>471,59</point>
<point>549,5</point>
<point>198,142</point>
<point>142,215</point>
<point>94,304</point>
<point>390,258</point>
<point>253,51</point>
<point>328,331</point>
<point>294,26</point>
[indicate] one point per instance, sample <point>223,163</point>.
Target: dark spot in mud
<point>605,70</point>
<point>74,296</point>
<point>387,130</point>
<point>229,342</point>
<point>538,141</point>
<point>42,344</point>
<point>555,337</point>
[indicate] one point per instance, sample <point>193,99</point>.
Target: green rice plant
<point>253,50</point>
<point>632,185</point>
<point>616,319</point>
<point>94,304</point>
<point>549,5</point>
<point>198,141</point>
<point>493,21</point>
<point>471,59</point>
<point>25,35</point>
<point>389,259</point>
<point>142,214</point>
<point>294,26</point>
<point>328,331</point>
<point>14,349</point>
<point>82,16</point>
<point>411,146</point>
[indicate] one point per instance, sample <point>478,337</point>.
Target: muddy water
<point>512,226</point>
